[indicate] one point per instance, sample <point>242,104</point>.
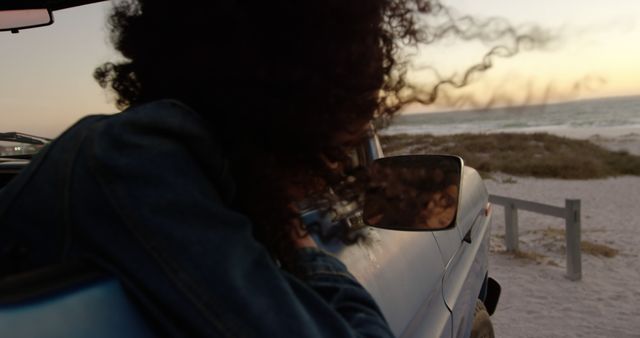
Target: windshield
<point>19,145</point>
<point>47,82</point>
<point>19,150</point>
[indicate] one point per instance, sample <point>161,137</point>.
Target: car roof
<point>50,4</point>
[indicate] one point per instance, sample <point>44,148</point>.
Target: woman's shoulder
<point>162,121</point>
<point>140,118</point>
<point>161,137</point>
<point>160,107</point>
<point>164,138</point>
<point>166,112</point>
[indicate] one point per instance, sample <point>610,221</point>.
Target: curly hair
<point>287,86</point>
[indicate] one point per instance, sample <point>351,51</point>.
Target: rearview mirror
<point>17,19</point>
<point>415,193</point>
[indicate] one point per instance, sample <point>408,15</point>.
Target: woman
<point>234,111</point>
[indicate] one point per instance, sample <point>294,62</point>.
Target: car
<point>429,279</point>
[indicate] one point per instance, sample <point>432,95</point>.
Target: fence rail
<point>570,213</point>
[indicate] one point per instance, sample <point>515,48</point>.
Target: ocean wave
<point>590,115</point>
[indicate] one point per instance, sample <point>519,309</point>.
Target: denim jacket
<point>145,194</point>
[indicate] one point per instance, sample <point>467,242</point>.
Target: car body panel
<point>441,273</point>
<point>449,242</point>
<point>99,310</point>
<point>463,279</point>
<point>466,272</point>
<point>403,271</point>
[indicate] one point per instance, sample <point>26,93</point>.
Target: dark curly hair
<point>287,86</point>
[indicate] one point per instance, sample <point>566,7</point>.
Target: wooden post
<point>511,227</point>
<point>574,259</point>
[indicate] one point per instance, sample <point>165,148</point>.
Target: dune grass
<point>586,246</point>
<point>596,249</point>
<point>529,255</point>
<point>537,155</point>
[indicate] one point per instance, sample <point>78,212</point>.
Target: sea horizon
<point>608,116</point>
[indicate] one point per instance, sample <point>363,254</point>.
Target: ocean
<point>614,116</point>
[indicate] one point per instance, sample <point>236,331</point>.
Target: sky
<point>46,79</point>
<point>594,51</point>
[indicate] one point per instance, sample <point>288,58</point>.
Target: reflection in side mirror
<point>418,192</point>
<point>17,19</point>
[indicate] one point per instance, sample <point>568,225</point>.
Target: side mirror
<point>414,193</point>
<point>16,19</point>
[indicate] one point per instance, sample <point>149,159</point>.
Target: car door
<point>467,252</point>
<point>449,244</point>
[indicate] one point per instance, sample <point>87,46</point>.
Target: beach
<point>537,300</point>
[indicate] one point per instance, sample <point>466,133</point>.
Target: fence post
<point>574,260</point>
<point>511,227</point>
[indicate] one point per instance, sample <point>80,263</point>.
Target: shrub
<point>537,155</point>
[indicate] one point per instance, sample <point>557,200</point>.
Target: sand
<point>537,300</point>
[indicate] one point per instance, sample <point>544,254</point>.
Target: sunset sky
<point>46,82</point>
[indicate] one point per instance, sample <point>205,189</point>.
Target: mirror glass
<point>418,192</point>
<point>24,18</point>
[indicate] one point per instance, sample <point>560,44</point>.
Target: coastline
<point>612,138</point>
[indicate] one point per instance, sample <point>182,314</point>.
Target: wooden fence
<point>571,214</point>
